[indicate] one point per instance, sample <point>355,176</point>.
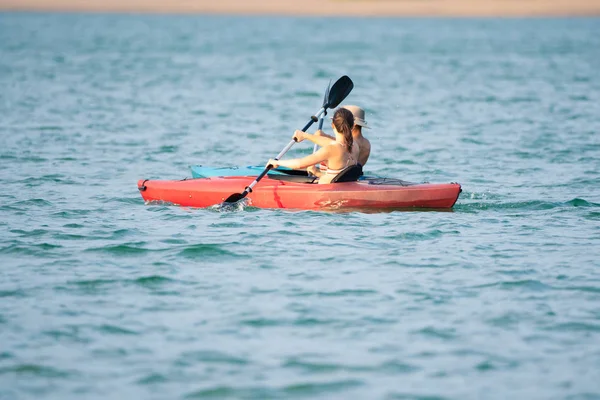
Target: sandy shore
<point>321,7</point>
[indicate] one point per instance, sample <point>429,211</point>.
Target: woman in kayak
<point>364,145</point>
<point>338,153</point>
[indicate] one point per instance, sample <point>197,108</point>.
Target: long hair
<point>343,120</point>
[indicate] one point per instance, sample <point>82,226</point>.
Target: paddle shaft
<point>316,146</point>
<point>325,101</point>
<point>285,150</point>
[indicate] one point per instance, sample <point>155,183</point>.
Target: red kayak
<point>297,193</point>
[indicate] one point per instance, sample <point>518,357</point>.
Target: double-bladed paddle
<point>338,92</point>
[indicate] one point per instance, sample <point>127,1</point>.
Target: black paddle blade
<point>234,198</point>
<point>339,91</point>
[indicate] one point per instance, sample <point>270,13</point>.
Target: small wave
<point>577,202</point>
<point>575,327</point>
<point>432,234</point>
<point>71,213</point>
<point>226,392</point>
<point>69,333</point>
<point>116,330</point>
<point>152,280</point>
<point>73,225</point>
<point>90,286</point>
<point>42,249</point>
<point>54,178</point>
<point>45,128</point>
<point>13,210</point>
<point>302,322</point>
<point>505,320</point>
<point>68,236</point>
<point>121,233</point>
<point>121,249</point>
<point>588,289</point>
<point>227,224</point>
<point>35,370</point>
<point>173,241</point>
<point>304,389</point>
<point>318,367</point>
<point>93,283</point>
<point>534,205</point>
<point>339,293</point>
<point>209,356</point>
<point>95,286</point>
<point>496,364</point>
<point>262,322</point>
<point>32,233</point>
<point>531,284</point>
<point>319,388</point>
<point>205,250</point>
<point>152,379</point>
<point>167,149</point>
<point>438,333</point>
<point>12,293</point>
<point>33,202</point>
<point>34,159</point>
<point>124,200</point>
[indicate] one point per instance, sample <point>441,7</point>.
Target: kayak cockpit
<point>348,174</point>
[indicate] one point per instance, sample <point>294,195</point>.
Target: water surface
<point>104,296</point>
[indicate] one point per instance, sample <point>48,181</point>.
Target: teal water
<point>102,296</point>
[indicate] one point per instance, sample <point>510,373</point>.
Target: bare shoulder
<point>334,147</point>
<point>333,144</point>
<point>365,143</point>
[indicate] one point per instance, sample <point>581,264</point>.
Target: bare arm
<point>319,138</point>
<point>299,163</point>
<point>321,133</point>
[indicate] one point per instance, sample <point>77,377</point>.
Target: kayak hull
<point>280,193</point>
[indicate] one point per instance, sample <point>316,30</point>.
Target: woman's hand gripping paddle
<point>338,92</point>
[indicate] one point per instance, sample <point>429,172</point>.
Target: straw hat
<point>359,115</point>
